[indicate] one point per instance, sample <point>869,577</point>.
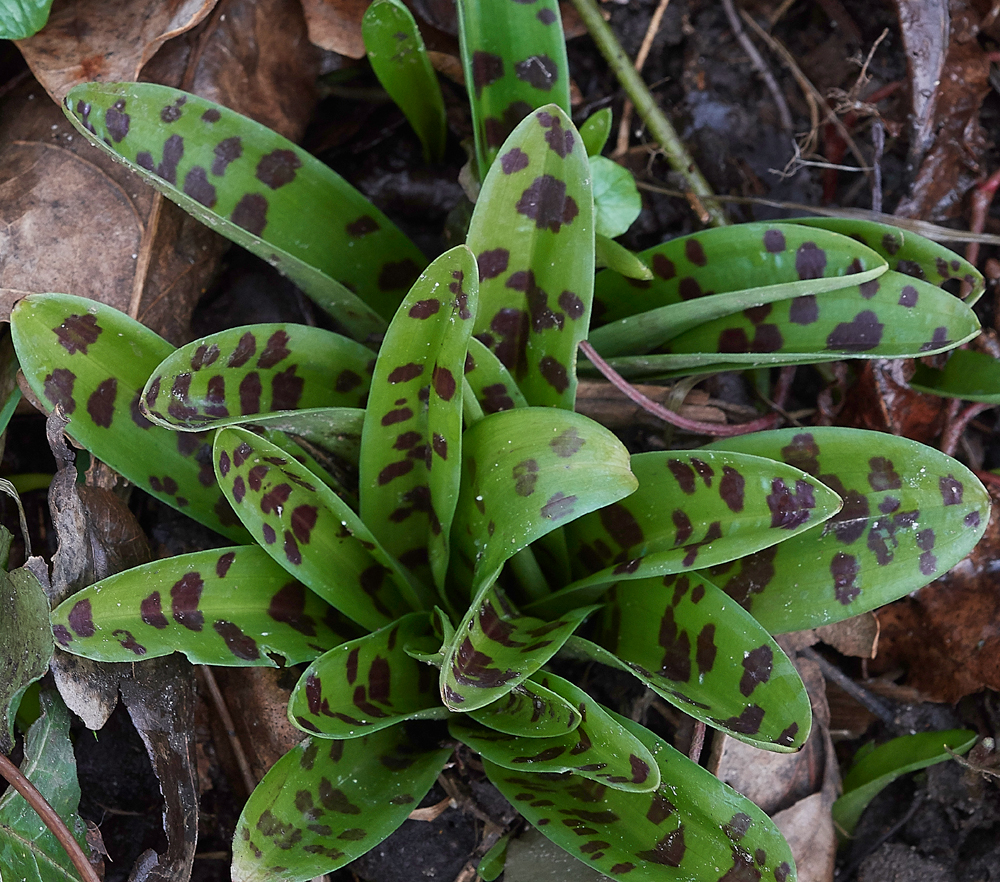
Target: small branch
<point>697,741</point>
<point>659,126</point>
<point>640,60</point>
<point>953,431</point>
<point>48,814</point>
<point>226,718</point>
<point>862,696</point>
<point>668,416</point>
<point>982,198</point>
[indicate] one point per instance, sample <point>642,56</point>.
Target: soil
<point>943,824</point>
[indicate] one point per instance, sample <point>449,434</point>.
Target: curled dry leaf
<point>108,40</point>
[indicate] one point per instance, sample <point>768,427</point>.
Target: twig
<point>621,145</point>
<point>219,703</point>
<point>861,695</point>
<point>668,416</point>
<point>982,198</point>
<point>659,126</point>
<point>759,65</point>
<point>40,804</point>
<point>697,741</point>
<point>953,431</point>
<point>878,142</point>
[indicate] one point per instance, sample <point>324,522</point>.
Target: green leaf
<point>974,376</point>
<point>527,471</point>
<point>28,849</point>
<point>369,683</point>
<point>906,252</point>
<point>701,652</point>
<point>310,531</point>
<point>489,381</point>
<point>514,57</point>
<point>691,827</point>
<point>691,507</point>
<point>495,648</point>
<point>529,710</point>
<point>599,749</point>
<point>227,606</point>
<point>595,131</point>
<point>23,18</point>
<point>607,252</point>
<point>227,377</point>
<point>411,445</point>
<point>736,258</point>
<point>260,190</point>
<point>617,202</point>
<point>325,803</point>
<point>910,514</point>
<point>397,55</point>
<point>334,430</point>
<point>25,641</point>
<point>93,361</point>
<point>879,768</point>
<point>533,235</point>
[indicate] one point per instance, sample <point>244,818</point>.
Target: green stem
<point>645,105</point>
<point>529,575</point>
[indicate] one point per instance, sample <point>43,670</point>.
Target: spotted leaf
<point>260,190</point>
<point>974,376</point>
<point>525,472</point>
<point>334,430</point>
<point>397,54</point>
<point>691,827</point>
<point>697,649</point>
<point>227,377</point>
<point>599,748</point>
<point>533,235</point>
<point>325,803</point>
<point>514,57</point>
<point>691,507</point>
<point>910,514</point>
<point>894,316</point>
<point>227,606</point>
<point>495,647</point>
<point>529,710</point>
<point>490,382</point>
<point>310,531</point>
<point>411,444</point>
<point>93,361</point>
<point>906,252</point>
<point>369,683</point>
<point>736,258</point>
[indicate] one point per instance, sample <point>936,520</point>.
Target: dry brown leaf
<point>856,637</point>
<point>810,834</point>
<point>106,40</point>
<point>336,25</point>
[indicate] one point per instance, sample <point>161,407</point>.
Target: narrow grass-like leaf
<point>533,235</point>
<point>28,849</point>
<point>600,748</point>
<point>692,827</point>
<point>325,803</point>
<point>260,190</point>
<point>595,131</point>
<point>411,445</point>
<point>906,252</point>
<point>974,376</point>
<point>397,55</point>
<point>607,252</point>
<point>495,648</point>
<point>25,640</point>
<point>691,507</point>
<point>228,377</point>
<point>93,361</point>
<point>910,514</point>
<point>227,606</point>
<point>527,471</point>
<point>887,762</point>
<point>736,258</point>
<point>310,530</point>
<point>369,683</point>
<point>617,202</point>
<point>529,710</point>
<point>709,657</point>
<point>20,19</point>
<point>514,56</point>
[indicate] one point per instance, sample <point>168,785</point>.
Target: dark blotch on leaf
<point>951,490</point>
<point>546,202</point>
<point>883,475</point>
<point>77,332</point>
<point>664,267</point>
<point>810,261</point>
<point>514,160</point>
<point>278,168</point>
<point>731,488</point>
<point>275,350</point>
<point>493,263</point>
<point>757,666</point>
<point>101,404</point>
<point>226,152</point>
<point>554,373</point>
<point>525,476</point>
<point>424,309</point>
<point>197,186</point>
<point>844,568</point>
<point>774,241</point>
<point>684,475</point>
<point>185,596</point>
<point>151,611</point>
<point>803,310</point>
<point>251,213</point>
<point>487,68</point>
<point>241,645</point>
<point>559,506</point>
<point>669,851</point>
<point>81,619</point>
<point>862,333</point>
<point>539,71</point>
<point>117,121</point>
<point>58,388</point>
<point>444,383</point>
<point>695,253</point>
<point>362,226</point>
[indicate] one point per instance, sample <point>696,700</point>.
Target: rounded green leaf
<point>227,606</point>
<point>93,361</point>
<point>910,514</point>
<point>974,376</point>
<point>228,377</point>
<point>617,202</point>
<point>20,19</point>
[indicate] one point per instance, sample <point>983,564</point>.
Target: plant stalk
<point>659,126</point>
